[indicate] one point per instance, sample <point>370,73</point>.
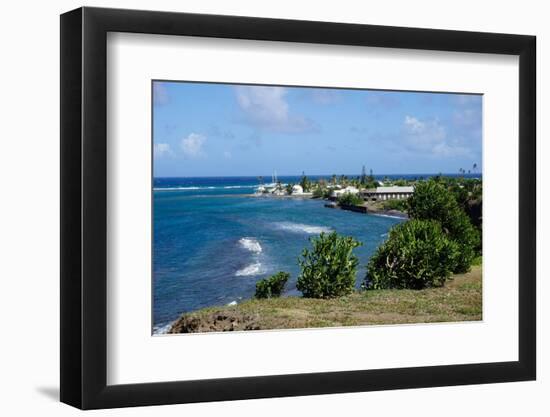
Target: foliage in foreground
<point>329,268</point>
<point>272,286</point>
<point>433,201</point>
<point>460,299</point>
<point>416,255</point>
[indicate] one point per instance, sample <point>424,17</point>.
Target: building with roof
<point>348,190</point>
<point>388,193</point>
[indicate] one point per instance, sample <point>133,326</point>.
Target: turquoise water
<point>212,243</point>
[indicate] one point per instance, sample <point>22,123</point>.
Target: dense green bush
<point>349,199</point>
<point>273,286</point>
<point>401,182</point>
<point>416,255</point>
<point>305,183</point>
<point>468,193</point>
<point>432,200</point>
<point>395,204</point>
<point>329,268</point>
<point>318,192</point>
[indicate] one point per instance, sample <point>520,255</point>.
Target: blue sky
<point>202,129</point>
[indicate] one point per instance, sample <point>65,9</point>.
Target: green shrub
<point>468,239</point>
<point>349,199</point>
<point>305,183</point>
<point>318,192</point>
<point>329,268</point>
<point>273,286</point>
<point>416,255</point>
<point>395,204</point>
<point>433,201</point>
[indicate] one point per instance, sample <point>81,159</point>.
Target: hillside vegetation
<point>458,300</point>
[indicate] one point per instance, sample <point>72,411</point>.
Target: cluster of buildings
<point>280,190</point>
<point>393,192</point>
<point>382,192</point>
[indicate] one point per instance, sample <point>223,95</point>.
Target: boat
<point>275,187</point>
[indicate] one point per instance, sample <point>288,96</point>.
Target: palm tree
<point>475,167</point>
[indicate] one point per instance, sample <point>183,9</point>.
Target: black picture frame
<point>84,207</point>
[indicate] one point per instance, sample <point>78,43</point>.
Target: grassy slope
<point>459,300</point>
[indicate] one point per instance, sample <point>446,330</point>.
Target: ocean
<point>213,240</point>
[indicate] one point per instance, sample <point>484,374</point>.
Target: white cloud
<point>162,149</point>
<point>415,126</point>
<point>443,149</point>
<point>430,138</point>
<point>266,108</point>
<point>192,145</point>
<point>160,93</point>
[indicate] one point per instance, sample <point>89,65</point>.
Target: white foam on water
<point>176,188</point>
<point>389,216</point>
<point>302,228</point>
<point>232,303</point>
<point>250,270</point>
<point>191,188</point>
<point>162,329</point>
<point>251,244</point>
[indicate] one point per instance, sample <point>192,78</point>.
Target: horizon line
<point>320,175</point>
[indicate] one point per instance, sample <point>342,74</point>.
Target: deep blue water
<point>212,242</point>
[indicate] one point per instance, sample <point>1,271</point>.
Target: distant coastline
<point>283,176</point>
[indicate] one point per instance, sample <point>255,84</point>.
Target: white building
<point>388,193</point>
<point>348,190</point>
<point>297,189</point>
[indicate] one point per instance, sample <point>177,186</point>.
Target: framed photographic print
<point>258,207</point>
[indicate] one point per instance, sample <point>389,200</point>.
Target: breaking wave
<point>191,188</point>
<point>176,188</point>
<point>250,244</point>
<point>250,270</point>
<point>302,228</point>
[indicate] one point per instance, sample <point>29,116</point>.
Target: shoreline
<point>393,213</point>
<point>370,209</point>
<point>390,213</point>
<point>290,196</point>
